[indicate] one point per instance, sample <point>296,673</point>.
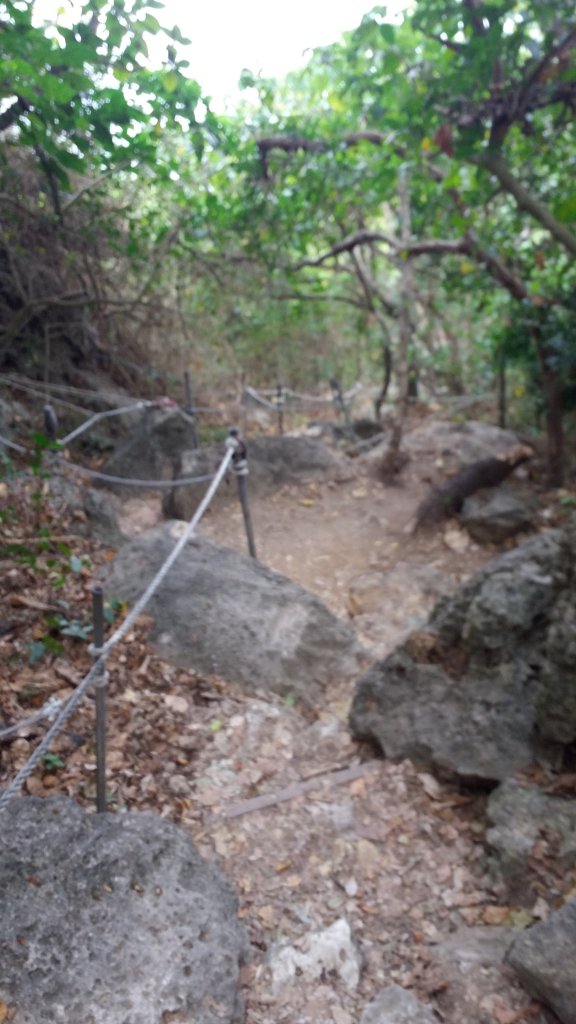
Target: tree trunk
<point>502,392</point>
<point>390,464</point>
<point>381,397</point>
<point>553,411</point>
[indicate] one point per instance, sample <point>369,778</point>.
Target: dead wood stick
<point>258,803</point>
<point>447,499</point>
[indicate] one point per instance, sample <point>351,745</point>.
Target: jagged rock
<point>319,953</point>
<point>222,613</point>
<point>102,514</point>
<point>113,919</point>
<point>476,692</point>
<point>469,965</point>
<point>463,444</point>
<point>273,461</point>
<point>501,516</point>
<point>520,815</point>
<point>395,1005</point>
<point>544,956</point>
<point>151,449</point>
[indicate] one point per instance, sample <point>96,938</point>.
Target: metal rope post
<point>240,467</point>
<point>189,408</point>
<point>101,687</point>
<point>340,404</point>
<point>50,422</point>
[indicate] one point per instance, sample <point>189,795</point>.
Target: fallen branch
<point>447,499</point>
<point>296,789</point>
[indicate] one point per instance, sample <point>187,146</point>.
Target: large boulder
<point>273,461</point>
<point>224,614</point>
<point>113,919</point>
<point>150,451</point>
<point>498,517</point>
<point>544,958</point>
<point>489,682</point>
<point>459,445</point>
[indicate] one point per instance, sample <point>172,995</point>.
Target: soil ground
<point>310,826</point>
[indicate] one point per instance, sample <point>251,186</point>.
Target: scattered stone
<point>456,540</point>
<point>221,613</point>
<point>544,958</point>
<point>520,816</point>
<point>395,1005</point>
<point>477,692</point>
<point>318,954</point>
<point>273,461</point>
<point>501,516</point>
<point>110,919</point>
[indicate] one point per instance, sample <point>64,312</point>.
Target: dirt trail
<point>395,854</point>
<point>400,857</point>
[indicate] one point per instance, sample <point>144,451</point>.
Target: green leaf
<point>565,209</point>
<point>36,651</point>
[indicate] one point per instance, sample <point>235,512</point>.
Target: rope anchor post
<point>279,401</point>
<point>340,404</point>
<point>240,468</point>
<point>189,408</point>
<point>101,687</point>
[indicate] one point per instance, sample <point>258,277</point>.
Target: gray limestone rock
<point>222,613</point>
<point>101,511</point>
<point>544,958</point>
<point>476,692</point>
<point>395,1005</point>
<point>151,449</point>
<point>500,516</point>
<point>113,919</point>
<point>465,444</point>
<point>273,461</point>
<point>520,815</point>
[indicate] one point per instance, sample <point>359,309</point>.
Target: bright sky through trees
<point>264,36</point>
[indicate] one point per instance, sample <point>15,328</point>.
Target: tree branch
<point>346,245</point>
<point>495,163</point>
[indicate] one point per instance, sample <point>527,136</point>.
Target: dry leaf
<point>267,916</point>
<point>495,915</point>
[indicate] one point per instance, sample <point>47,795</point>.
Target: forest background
<point>401,210</point>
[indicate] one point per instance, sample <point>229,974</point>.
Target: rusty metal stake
<point>240,467</point>
<point>189,408</point>
<point>101,692</point>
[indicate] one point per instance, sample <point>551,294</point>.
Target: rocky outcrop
<point>459,445</point>
<point>224,614</point>
<point>113,919</point>
<point>273,462</point>
<point>544,958</point>
<point>490,681</point>
<point>501,516</point>
<point>151,449</point>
